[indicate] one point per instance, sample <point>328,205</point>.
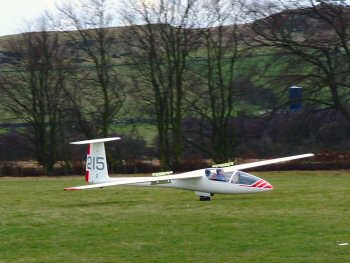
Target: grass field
<point>302,220</point>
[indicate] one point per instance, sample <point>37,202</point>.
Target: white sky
<point>15,14</point>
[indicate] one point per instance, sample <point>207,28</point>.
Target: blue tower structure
<point>295,98</point>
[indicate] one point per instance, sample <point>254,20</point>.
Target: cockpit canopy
<point>236,177</point>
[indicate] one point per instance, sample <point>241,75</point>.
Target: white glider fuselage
<point>202,184</point>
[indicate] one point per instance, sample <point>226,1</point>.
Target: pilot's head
<point>207,172</point>
<point>219,171</point>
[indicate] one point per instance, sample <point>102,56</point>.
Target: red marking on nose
<point>269,186</point>
<point>257,183</point>
<point>262,184</point>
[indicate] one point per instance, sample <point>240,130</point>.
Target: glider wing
<point>266,162</point>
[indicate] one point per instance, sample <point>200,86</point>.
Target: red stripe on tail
<point>87,175</point>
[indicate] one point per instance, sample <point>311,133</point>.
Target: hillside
<point>298,22</point>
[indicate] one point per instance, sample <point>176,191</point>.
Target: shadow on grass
<point>90,203</point>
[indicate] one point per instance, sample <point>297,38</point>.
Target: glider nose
<point>263,184</point>
<point>268,185</point>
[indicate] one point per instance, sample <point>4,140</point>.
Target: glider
<point>221,179</point>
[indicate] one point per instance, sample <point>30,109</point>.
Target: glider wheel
<point>204,198</point>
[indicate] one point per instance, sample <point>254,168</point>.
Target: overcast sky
<point>14,13</point>
<point>17,15</point>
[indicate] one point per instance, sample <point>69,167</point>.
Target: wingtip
<point>70,189</point>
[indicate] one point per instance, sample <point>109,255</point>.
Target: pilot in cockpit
<point>207,173</point>
<point>219,176</point>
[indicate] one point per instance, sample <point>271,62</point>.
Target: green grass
<point>302,220</point>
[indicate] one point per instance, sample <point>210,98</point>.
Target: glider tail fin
<point>96,162</point>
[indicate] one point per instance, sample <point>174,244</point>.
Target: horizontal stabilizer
<point>97,140</point>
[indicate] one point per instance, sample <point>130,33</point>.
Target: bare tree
<point>160,48</point>
<point>32,89</point>
<point>97,93</point>
<point>310,40</point>
<point>215,99</point>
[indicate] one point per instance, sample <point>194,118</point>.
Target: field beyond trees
<point>302,220</point>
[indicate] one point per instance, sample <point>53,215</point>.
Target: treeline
<point>208,74</point>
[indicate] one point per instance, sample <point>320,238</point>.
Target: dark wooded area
<point>213,80</point>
